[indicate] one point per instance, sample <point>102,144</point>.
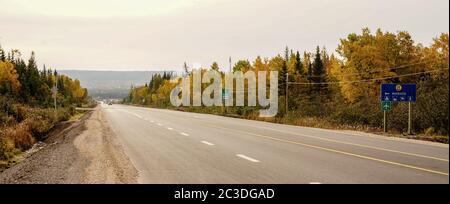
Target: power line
<point>374,70</point>
<point>369,80</point>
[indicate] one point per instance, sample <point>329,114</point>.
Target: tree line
<point>342,89</point>
<point>24,82</point>
<point>27,101</point>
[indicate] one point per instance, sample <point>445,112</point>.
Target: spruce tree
<point>319,75</point>
<point>286,54</point>
<point>34,78</point>
<point>318,68</point>
<point>186,69</point>
<point>298,64</point>
<point>282,79</point>
<point>2,54</point>
<point>215,66</point>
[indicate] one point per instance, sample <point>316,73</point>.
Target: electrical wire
<point>370,80</point>
<point>374,70</point>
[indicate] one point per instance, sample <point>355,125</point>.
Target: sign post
<point>55,94</point>
<point>409,118</point>
<point>399,93</point>
<point>225,96</point>
<point>385,106</point>
<point>287,93</point>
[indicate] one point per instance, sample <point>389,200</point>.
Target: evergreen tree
<point>2,54</point>
<point>186,69</point>
<point>60,83</point>
<point>11,56</point>
<point>319,76</point>
<point>310,72</point>
<point>33,77</point>
<point>286,54</point>
<point>215,66</point>
<point>317,67</point>
<point>325,59</point>
<point>21,69</point>
<point>44,72</point>
<point>298,64</point>
<point>282,79</point>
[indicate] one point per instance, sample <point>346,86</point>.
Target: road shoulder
<point>86,151</point>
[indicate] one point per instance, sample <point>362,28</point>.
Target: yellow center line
<point>358,145</point>
<point>354,144</point>
<point>365,146</point>
<point>335,151</point>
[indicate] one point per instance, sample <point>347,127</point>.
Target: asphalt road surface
<point>179,147</point>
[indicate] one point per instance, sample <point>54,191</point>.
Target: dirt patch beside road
<point>86,151</point>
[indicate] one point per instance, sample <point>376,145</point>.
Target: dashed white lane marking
<point>207,143</point>
<point>160,124</point>
<point>247,158</point>
<point>315,182</point>
<point>169,128</point>
<point>185,134</point>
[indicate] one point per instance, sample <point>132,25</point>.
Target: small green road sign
<point>386,105</point>
<point>225,94</point>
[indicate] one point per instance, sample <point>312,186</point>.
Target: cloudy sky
<point>162,34</point>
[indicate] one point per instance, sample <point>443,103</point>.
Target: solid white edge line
<point>247,158</point>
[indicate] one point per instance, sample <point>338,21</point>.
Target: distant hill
<point>110,84</point>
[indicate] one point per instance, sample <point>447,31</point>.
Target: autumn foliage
<point>342,90</point>
<point>27,103</point>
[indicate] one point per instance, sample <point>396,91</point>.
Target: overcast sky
<point>162,34</point>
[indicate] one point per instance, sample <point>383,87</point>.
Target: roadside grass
<point>424,137</point>
<point>28,126</point>
<point>78,115</point>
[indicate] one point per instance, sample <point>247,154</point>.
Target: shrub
<point>39,127</point>
<point>26,125</point>
<point>7,148</point>
<point>429,131</point>
<point>20,135</point>
<point>350,117</point>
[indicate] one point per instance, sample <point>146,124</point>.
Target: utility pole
<point>409,118</point>
<point>55,93</point>
<point>230,62</point>
<point>286,92</point>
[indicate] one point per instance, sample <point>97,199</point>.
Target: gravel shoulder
<point>85,151</point>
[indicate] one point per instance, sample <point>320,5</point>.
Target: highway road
<point>169,146</point>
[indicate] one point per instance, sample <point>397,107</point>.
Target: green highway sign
<point>225,94</point>
<point>386,105</point>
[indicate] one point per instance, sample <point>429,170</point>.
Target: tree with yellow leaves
<point>9,82</point>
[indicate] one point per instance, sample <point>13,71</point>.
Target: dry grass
<point>34,124</point>
<point>17,137</point>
